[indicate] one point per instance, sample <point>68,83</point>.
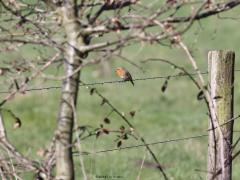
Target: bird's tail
<point>132,82</point>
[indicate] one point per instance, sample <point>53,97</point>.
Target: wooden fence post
<point>221,76</point>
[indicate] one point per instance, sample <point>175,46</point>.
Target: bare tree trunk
<point>221,69</point>
<point>64,159</point>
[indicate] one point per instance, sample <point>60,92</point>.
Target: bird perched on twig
<point>124,74</point>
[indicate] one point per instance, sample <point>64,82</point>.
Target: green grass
<point>159,116</point>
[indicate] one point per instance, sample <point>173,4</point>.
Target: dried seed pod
<point>17,123</point>
<point>92,90</point>
<point>3,71</point>
<point>125,136</point>
<point>119,144</point>
<point>131,130</point>
<point>200,95</point>
<point>107,120</point>
<point>98,133</point>
<point>16,84</point>
<point>165,84</point>
<point>181,73</point>
<point>132,113</point>
<point>122,128</point>
<point>106,131</point>
<point>103,101</point>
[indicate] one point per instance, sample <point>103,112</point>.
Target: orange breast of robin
<point>120,73</point>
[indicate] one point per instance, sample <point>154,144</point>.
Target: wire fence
<point>136,79</point>
<point>173,140</point>
<point>110,82</point>
<point>143,145</point>
<point>113,81</point>
<point>165,141</point>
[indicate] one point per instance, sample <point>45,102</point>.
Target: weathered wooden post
<point>221,76</point>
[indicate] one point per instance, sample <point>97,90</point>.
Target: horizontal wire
<point>120,81</point>
<point>114,81</point>
<point>109,82</point>
<point>140,79</point>
<point>141,145</point>
<point>159,142</point>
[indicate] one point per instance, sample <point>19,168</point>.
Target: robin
<point>124,74</point>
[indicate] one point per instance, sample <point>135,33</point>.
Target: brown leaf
<point>125,136</point>
<point>107,120</point>
<point>98,133</point>
<point>16,84</point>
<point>26,80</point>
<point>181,73</point>
<point>131,130</point>
<point>3,71</point>
<point>132,113</point>
<point>200,95</point>
<point>106,131</point>
<point>165,84</point>
<point>17,123</point>
<point>103,101</point>
<point>171,2</point>
<point>119,144</point>
<point>122,128</point>
<point>92,90</point>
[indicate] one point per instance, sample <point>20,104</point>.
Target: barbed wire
<point>160,141</point>
<point>114,81</point>
<point>111,82</point>
<point>142,145</point>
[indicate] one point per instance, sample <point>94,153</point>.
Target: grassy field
<point>159,116</point>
